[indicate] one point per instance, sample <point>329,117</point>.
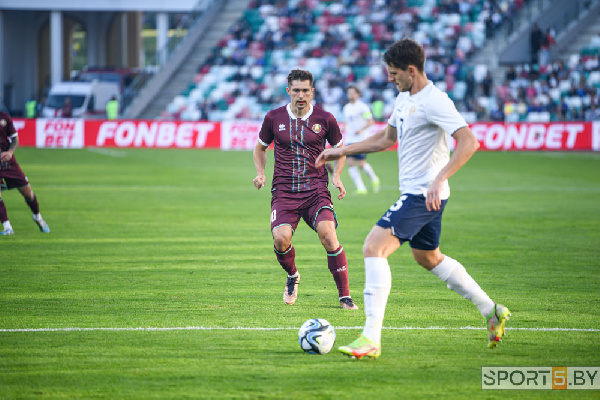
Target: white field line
<point>243,328</point>
<point>108,152</point>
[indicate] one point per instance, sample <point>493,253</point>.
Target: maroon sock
<point>287,260</point>
<point>33,204</point>
<point>3,213</point>
<point>338,265</point>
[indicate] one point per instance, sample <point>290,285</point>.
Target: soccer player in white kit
<point>358,119</point>
<point>422,115</point>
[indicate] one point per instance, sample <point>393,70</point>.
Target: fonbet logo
<point>62,132</point>
<point>153,134</point>
<point>559,136</point>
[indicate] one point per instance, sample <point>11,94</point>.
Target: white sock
<point>37,216</point>
<point>458,279</point>
<point>7,225</point>
<point>356,178</point>
<point>378,282</point>
<point>369,171</point>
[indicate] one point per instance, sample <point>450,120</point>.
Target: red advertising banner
<point>152,134</point>
<point>537,136</point>
<point>242,135</point>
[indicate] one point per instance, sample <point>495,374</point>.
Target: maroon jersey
<point>7,134</point>
<point>298,142</point>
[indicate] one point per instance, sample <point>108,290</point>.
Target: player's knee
<point>282,243</point>
<point>330,242</point>
<point>428,259</point>
<point>371,249</point>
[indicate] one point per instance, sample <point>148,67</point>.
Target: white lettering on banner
<point>535,139</point>
<point>184,135</point>
<point>125,134</point>
<point>573,130</point>
<point>106,131</point>
<point>203,129</point>
<point>61,133</point>
<point>239,135</point>
<point>166,134</point>
<point>516,137</point>
<point>155,134</point>
<point>554,137</point>
<point>528,136</point>
<point>596,136</point>
<point>146,135</point>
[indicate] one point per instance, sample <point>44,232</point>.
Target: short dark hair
<point>299,75</point>
<point>353,87</point>
<point>405,52</point>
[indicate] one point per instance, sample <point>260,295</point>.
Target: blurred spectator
<point>31,108</point>
<point>377,108</point>
<point>536,40</point>
<point>67,108</point>
<point>486,84</point>
<point>112,108</point>
<point>547,43</point>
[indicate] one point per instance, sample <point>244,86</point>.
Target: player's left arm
<point>466,146</point>
<point>8,155</point>
<point>336,177</point>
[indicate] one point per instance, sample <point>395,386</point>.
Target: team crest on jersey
<point>412,111</point>
<point>2,122</point>
<point>316,128</point>
<point>281,127</point>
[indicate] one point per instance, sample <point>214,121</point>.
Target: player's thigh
<point>14,177</point>
<point>319,208</point>
<point>380,242</point>
<point>26,191</point>
<point>428,238</point>
<point>284,220</point>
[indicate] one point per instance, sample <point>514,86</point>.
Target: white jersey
<point>356,115</point>
<point>421,121</point>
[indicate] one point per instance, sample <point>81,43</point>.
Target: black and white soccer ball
<point>316,336</point>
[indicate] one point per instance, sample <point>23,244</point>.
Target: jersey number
<point>273,215</point>
<point>398,204</point>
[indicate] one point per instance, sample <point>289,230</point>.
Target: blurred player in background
<point>422,115</point>
<point>299,189</point>
<point>11,176</point>
<point>358,118</point>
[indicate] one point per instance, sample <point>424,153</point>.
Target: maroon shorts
<point>12,175</point>
<point>313,207</point>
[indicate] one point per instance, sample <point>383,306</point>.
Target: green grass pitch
<point>175,239</point>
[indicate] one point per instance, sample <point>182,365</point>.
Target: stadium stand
<point>341,42</point>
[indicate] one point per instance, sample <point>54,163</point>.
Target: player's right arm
<point>265,137</point>
<point>382,140</point>
<point>260,161</point>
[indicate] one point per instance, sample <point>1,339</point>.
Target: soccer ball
<point>316,336</point>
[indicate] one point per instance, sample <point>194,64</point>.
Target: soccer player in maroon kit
<point>11,176</point>
<point>299,190</point>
